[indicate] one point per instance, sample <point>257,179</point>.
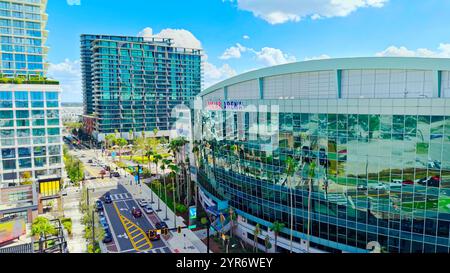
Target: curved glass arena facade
<point>372,134</point>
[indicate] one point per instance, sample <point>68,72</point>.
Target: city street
<point>130,233</point>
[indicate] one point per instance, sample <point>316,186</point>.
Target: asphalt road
<point>122,205</point>
<point>124,202</point>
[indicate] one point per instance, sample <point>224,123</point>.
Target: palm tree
<point>164,165</point>
<point>311,176</point>
<point>290,170</point>
<point>121,142</point>
<point>256,233</point>
<point>140,146</point>
<point>149,154</point>
<point>156,159</point>
<point>110,139</point>
<point>196,152</point>
<point>276,228</point>
<point>173,174</point>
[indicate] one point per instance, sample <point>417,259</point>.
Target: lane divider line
<point>128,225</point>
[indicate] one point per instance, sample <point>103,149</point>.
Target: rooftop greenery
<point>27,80</point>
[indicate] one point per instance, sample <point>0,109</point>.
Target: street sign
<point>192,217</point>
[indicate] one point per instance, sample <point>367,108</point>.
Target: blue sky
<point>276,31</point>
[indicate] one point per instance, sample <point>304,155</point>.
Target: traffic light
<point>179,229</point>
<point>152,234</point>
<point>165,231</point>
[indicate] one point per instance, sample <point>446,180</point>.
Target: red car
<point>408,182</point>
<point>137,213</point>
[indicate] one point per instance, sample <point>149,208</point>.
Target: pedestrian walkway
<point>76,242</point>
<point>120,196</point>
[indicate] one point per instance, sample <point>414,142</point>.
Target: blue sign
<point>113,154</point>
<point>192,217</point>
<point>192,213</point>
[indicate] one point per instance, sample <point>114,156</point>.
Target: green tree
<point>110,140</point>
<point>121,142</point>
<point>42,227</point>
<point>276,228</point>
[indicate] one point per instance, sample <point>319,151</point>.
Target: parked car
<point>162,225</point>
<point>142,203</point>
<point>104,223</point>
<point>137,213</point>
<point>116,174</point>
<point>362,187</point>
<point>378,186</point>
<point>98,206</point>
<point>423,181</point>
<point>108,237</point>
<point>148,209</point>
<point>108,199</point>
<point>408,182</point>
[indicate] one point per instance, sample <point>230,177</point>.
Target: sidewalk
<point>75,243</point>
<point>187,241</point>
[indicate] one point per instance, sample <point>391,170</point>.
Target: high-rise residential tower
<point>23,35</point>
<point>30,123</point>
<point>133,83</point>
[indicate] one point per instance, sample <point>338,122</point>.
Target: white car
<point>148,209</point>
<point>143,203</point>
<point>379,186</point>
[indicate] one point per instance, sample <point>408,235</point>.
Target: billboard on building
<point>49,187</point>
<point>11,228</point>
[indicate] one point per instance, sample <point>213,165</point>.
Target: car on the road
<point>90,161</point>
<point>156,236</point>
<point>142,203</point>
<point>108,199</point>
<point>116,174</point>
<point>148,209</point>
<point>98,206</point>
<point>136,212</point>
<point>161,225</point>
<point>108,237</point>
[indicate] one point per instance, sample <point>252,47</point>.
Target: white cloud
<point>282,11</point>
<point>443,51</point>
<point>273,56</point>
<point>320,57</point>
<point>214,74</point>
<point>246,37</point>
<point>181,37</point>
<point>68,73</point>
<point>233,52</point>
<point>74,2</point>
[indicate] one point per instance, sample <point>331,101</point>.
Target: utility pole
<point>93,229</point>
